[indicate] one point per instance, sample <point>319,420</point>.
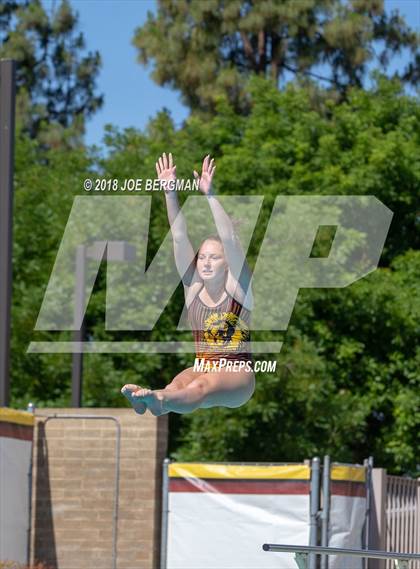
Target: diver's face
<point>211,262</point>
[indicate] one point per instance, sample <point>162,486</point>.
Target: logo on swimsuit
<point>225,330</point>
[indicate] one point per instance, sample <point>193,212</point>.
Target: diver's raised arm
<point>232,246</point>
<point>223,222</point>
<point>183,251</point>
<point>166,171</point>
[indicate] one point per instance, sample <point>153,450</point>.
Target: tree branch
<point>248,50</point>
<point>262,56</point>
<point>311,74</point>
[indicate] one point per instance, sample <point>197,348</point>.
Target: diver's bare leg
<point>182,380</point>
<point>226,389</point>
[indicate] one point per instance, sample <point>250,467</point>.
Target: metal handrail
<point>117,468</point>
<point>302,552</point>
<point>339,551</point>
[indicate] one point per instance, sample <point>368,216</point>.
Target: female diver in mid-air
<point>218,299</point>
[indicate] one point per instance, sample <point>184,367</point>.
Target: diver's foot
<point>138,405</point>
<point>154,401</point>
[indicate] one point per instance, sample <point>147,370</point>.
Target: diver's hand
<point>206,178</point>
<point>166,171</point>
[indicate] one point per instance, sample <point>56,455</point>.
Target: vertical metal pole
<point>79,332</point>
<point>165,513</point>
<point>417,520</point>
<point>377,529</point>
<point>30,409</point>
<point>325,515</point>
<point>368,463</point>
<point>314,509</point>
<point>7,131</point>
<point>116,494</point>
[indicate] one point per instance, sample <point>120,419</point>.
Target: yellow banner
<point>239,471</point>
<point>348,473</point>
<point>18,417</point>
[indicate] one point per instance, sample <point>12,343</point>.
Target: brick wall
<point>73,489</point>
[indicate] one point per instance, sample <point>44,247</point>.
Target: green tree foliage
<point>353,397</point>
<point>347,382</point>
<point>347,378</point>
<point>56,82</point>
<point>46,182</point>
<point>208,48</point>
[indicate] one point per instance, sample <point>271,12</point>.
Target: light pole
<point>113,251</point>
<point>78,335</point>
<point>7,131</point>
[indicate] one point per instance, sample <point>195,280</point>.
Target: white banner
<point>15,457</point>
<point>347,514</point>
<point>220,515</point>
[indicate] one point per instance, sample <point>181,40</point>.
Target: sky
<point>131,97</point>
